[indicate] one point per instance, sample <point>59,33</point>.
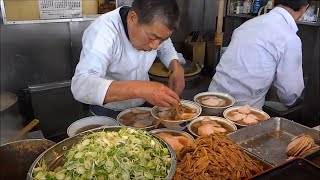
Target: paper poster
<point>55,9</point>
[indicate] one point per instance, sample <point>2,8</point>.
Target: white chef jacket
<point>107,55</point>
<point>263,50</point>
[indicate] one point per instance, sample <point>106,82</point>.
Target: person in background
<point>263,51</point>
<point>118,50</point>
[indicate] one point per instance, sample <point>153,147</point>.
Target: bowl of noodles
<point>177,118</point>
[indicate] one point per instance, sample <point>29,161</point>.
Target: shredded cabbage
<point>126,154</point>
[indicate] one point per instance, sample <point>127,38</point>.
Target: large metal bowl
<point>53,157</point>
<point>17,157</point>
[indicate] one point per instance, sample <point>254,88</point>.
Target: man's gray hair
<point>167,11</point>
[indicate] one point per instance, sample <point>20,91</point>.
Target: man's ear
<point>133,17</point>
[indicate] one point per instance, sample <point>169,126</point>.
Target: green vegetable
<point>127,154</point>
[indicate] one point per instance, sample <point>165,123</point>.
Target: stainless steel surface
<point>123,3</point>
<point>53,104</point>
<point>17,157</point>
<point>269,139</point>
<point>76,32</point>
<point>53,157</point>
<point>34,54</point>
<point>41,21</point>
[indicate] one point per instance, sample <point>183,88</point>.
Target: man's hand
<point>158,94</point>
<point>176,80</point>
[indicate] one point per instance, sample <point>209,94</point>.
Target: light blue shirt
<point>107,55</point>
<point>263,51</point>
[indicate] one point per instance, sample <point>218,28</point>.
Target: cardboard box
<point>196,51</point>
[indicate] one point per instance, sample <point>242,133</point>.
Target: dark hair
<point>296,5</point>
<point>167,11</point>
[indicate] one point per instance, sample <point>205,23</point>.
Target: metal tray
<point>269,139</point>
<point>298,168</point>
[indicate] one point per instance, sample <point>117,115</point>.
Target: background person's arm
<point>289,74</point>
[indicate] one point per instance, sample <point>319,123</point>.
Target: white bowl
<point>214,111</point>
<point>90,121</point>
<point>212,118</point>
<point>129,110</point>
<point>251,108</point>
<point>178,124</point>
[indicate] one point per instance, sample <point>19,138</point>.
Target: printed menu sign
<point>55,9</point>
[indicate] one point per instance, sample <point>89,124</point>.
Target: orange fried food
<point>215,157</point>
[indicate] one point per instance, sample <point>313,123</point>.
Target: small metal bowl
<point>178,124</point>
<point>129,110</point>
<point>251,108</point>
<point>214,111</point>
<point>212,118</point>
<point>93,121</point>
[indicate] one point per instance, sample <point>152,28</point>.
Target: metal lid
<point>7,99</point>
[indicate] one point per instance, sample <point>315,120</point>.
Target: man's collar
<point>288,17</point>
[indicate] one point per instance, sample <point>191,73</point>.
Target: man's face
<point>146,37</point>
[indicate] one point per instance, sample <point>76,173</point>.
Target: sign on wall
<point>55,9</point>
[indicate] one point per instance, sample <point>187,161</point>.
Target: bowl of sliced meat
<point>245,115</point>
<point>214,103</point>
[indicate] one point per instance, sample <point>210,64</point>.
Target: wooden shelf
<point>249,16</point>
<point>246,16</point>
<point>310,23</point>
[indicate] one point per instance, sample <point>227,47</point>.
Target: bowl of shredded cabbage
<point>107,153</point>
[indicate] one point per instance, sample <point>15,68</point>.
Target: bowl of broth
<point>214,103</point>
<point>245,115</point>
<point>89,123</point>
<point>137,117</point>
<point>176,139</point>
<point>179,117</point>
<point>205,125</point>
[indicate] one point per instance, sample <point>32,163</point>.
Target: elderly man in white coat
<point>263,51</point>
<point>118,50</point>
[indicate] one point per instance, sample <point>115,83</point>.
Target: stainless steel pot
<point>17,157</point>
<point>11,121</point>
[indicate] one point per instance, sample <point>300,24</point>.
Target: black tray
<point>314,158</point>
<point>295,169</point>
